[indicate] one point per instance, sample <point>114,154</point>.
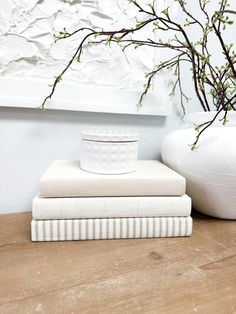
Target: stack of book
<point>73,204</point>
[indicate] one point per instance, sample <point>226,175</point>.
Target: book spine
<point>112,187</point>
<point>110,207</point>
<point>117,228</point>
<point>95,185</point>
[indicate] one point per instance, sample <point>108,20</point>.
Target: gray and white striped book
<point>110,228</point>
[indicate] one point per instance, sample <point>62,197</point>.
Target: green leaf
<point>58,78</point>
<point>166,12</point>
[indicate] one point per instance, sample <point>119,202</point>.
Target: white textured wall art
<point>107,80</point>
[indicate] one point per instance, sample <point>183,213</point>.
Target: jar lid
<point>109,136</point>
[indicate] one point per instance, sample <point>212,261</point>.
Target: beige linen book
<point>111,228</point>
<point>65,178</point>
<point>110,207</point>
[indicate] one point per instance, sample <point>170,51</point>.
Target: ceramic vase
<point>210,170</point>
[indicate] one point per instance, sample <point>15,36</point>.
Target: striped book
<point>110,228</point>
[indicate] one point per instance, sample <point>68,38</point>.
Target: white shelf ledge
<point>29,93</point>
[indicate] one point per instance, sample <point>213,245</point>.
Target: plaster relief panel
<point>28,49</point>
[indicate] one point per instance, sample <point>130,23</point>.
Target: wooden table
<point>177,275</point>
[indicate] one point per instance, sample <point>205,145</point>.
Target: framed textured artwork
<point>108,78</point>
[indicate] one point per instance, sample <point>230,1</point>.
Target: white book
<point>67,179</point>
<point>111,228</point>
<point>109,207</point>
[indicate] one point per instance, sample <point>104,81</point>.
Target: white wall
<point>30,140</point>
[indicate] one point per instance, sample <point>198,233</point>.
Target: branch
<point>218,33</point>
<point>59,77</point>
<point>207,124</point>
<point>169,63</point>
<point>78,51</point>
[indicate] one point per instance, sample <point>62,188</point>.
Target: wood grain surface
<point>177,275</point>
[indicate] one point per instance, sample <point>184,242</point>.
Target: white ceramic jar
<point>109,152</point>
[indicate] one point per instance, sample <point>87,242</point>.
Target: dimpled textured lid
<point>109,135</point>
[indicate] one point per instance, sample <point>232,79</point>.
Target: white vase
<point>210,170</point>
